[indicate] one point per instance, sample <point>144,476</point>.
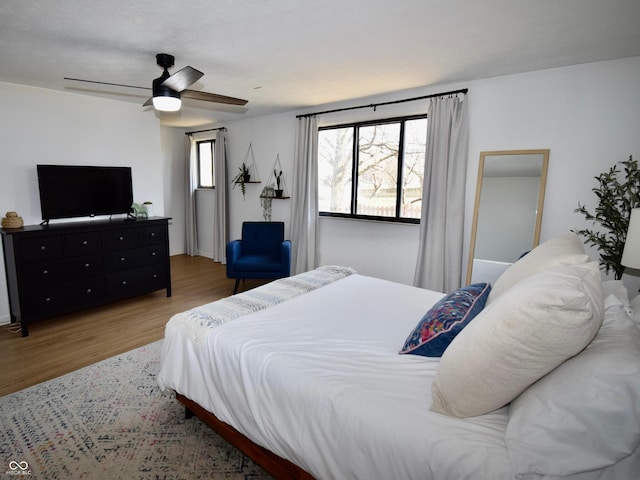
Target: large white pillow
<point>527,332</point>
<point>566,249</point>
<point>585,414</point>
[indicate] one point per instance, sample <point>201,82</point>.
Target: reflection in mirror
<point>508,210</point>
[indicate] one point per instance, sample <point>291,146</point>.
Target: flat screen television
<point>84,191</point>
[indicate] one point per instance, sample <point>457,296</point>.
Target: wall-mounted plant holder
<point>250,162</point>
<point>248,172</point>
<point>277,182</point>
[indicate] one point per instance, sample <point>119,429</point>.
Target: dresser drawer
<point>135,257</point>
<point>42,273</point>
<point>152,234</point>
<point>82,243</point>
<point>151,254</point>
<point>119,238</point>
<point>41,248</point>
<point>51,300</point>
<point>131,282</point>
<point>121,260</point>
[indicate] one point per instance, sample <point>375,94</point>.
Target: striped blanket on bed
<point>199,320</point>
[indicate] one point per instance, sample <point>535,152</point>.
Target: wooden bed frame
<point>277,466</point>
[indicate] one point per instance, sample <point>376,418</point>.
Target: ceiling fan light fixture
<point>167,104</point>
<point>165,99</point>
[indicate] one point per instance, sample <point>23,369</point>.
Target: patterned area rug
<point>111,421</point>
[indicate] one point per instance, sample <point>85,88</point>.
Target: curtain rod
<point>375,105</point>
<point>206,130</point>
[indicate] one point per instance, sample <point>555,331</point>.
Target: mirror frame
<point>541,193</point>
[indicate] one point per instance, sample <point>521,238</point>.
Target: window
<point>206,177</point>
<point>373,170</point>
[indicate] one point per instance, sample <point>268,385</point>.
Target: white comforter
<point>318,380</point>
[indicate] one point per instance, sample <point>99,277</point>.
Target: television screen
<point>81,191</point>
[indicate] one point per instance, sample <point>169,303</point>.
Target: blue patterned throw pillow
<point>437,329</point>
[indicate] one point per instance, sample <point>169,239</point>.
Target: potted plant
<point>266,197</point>
<point>242,178</point>
<point>616,199</point>
<point>278,190</point>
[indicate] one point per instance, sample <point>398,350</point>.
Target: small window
<point>373,170</point>
<point>206,177</point>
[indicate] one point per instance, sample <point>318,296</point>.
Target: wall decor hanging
<point>248,172</point>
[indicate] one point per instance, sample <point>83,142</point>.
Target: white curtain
<point>191,184</point>
<point>304,211</point>
<point>220,214</point>
<point>439,262</point>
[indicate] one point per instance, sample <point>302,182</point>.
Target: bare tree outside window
<point>378,148</point>
<point>335,168</point>
<point>373,170</point>
<point>415,150</point>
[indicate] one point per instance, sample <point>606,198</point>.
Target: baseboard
<point>5,319</point>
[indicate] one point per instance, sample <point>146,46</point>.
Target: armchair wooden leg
<point>235,289</point>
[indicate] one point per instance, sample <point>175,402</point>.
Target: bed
<point>305,376</point>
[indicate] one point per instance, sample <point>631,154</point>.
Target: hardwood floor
<point>69,342</point>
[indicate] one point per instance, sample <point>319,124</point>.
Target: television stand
<point>59,268</point>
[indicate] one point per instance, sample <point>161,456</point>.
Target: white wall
<point>46,126</point>
<point>269,137</point>
<point>587,115</point>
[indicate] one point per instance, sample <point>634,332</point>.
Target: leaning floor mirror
<point>508,210</point>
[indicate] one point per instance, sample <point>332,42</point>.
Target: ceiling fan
<point>169,89</point>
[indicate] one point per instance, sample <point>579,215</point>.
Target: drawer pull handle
<point>124,283</point>
<point>153,254</point>
<point>87,265</point>
<point>48,299</point>
<point>121,237</point>
<point>89,290</point>
<point>155,275</point>
<point>45,272</point>
<point>153,234</point>
<point>84,242</point>
<point>43,247</point>
<point>122,259</point>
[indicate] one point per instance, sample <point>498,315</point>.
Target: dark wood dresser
<point>65,267</point>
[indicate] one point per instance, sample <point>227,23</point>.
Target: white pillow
<point>584,415</point>
<point>522,336</point>
<point>618,290</point>
<point>566,249</point>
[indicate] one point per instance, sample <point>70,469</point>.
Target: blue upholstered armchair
<point>261,253</point>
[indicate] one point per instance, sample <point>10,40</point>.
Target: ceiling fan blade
<point>183,78</point>
<point>212,97</point>
<point>106,83</point>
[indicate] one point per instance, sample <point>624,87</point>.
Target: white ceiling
<point>286,55</point>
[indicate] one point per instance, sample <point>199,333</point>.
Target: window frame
<point>354,169</point>
<point>213,160</point>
